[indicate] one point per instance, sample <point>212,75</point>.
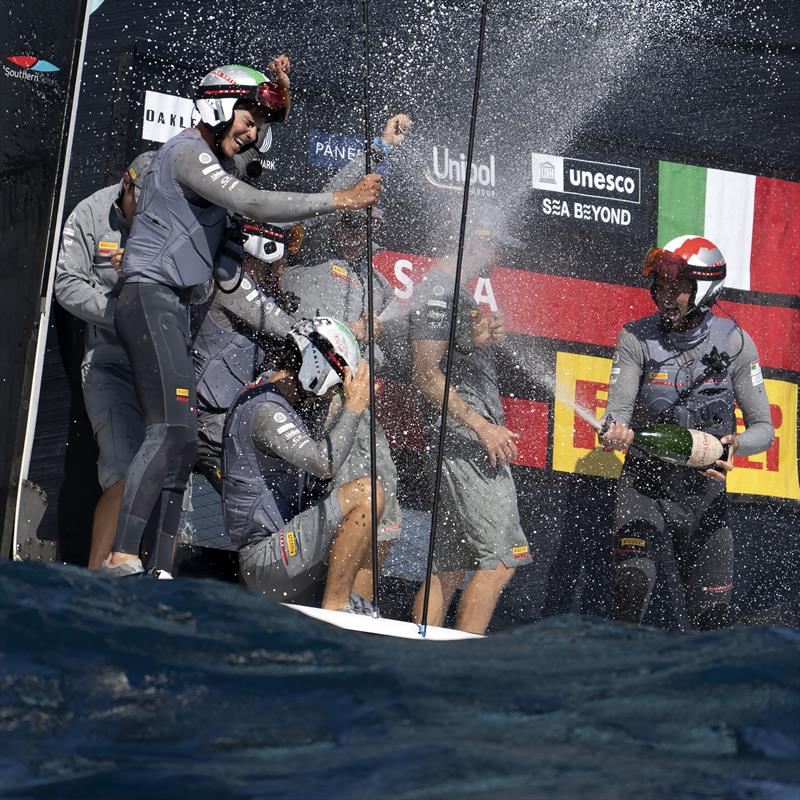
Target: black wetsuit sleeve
<point>198,171</point>
<point>255,310</point>
<point>750,394</point>
<point>626,375</point>
<point>320,457</point>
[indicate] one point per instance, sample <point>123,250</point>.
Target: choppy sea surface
<point>198,689</point>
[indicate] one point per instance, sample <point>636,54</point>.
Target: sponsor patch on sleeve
<point>632,542</point>
<point>107,248</point>
<point>755,373</point>
<point>520,552</point>
<point>182,395</point>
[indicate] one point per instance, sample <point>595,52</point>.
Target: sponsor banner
<point>576,310</point>
<point>529,420</point>
<point>404,271</point>
<point>166,115</point>
<point>753,220</point>
<point>773,473</point>
<point>332,149</point>
<point>589,192</point>
<point>582,395</point>
<point>35,71</point>
<point>447,169</point>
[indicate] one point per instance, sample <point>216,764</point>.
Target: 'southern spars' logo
<point>33,63</point>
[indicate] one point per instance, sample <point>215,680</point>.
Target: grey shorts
<point>295,558</point>
<point>357,465</point>
<point>116,417</point>
<point>478,525</point>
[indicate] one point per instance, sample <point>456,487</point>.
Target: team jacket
<point>85,282</point>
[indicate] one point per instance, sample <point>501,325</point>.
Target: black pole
<point>373,465</point>
<point>452,336</point>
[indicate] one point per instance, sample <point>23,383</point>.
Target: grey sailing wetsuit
<point>272,501</point>
<point>661,377</point>
<point>479,524</point>
<point>177,231</point>
<point>228,353</point>
<point>241,334</point>
<point>86,286</point>
<point>338,289</point>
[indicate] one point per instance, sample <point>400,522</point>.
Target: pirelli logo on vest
<point>631,542</point>
<point>288,544</point>
<point>182,395</point>
<point>338,271</point>
<point>107,248</point>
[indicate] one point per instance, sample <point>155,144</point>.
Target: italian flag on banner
<point>754,221</point>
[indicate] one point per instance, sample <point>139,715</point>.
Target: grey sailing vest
<point>668,371</point>
<point>224,363</point>
<point>173,241</point>
<point>261,492</point>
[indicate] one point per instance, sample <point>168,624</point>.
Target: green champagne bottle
<point>683,446</point>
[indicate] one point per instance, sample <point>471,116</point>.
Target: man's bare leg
<point>480,596</point>
<point>363,581</point>
<point>351,541</point>
<point>443,586</point>
<point>104,524</point>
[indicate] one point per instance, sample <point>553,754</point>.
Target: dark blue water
<point>156,689</point>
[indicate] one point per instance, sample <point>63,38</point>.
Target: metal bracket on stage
<point>33,504</point>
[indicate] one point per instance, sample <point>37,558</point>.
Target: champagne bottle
<point>683,446</point>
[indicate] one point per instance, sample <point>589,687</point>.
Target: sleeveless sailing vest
<point>668,372</point>
<point>261,492</point>
<point>224,363</point>
<point>172,241</point>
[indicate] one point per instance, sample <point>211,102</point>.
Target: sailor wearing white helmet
<point>292,535</point>
<point>176,234</point>
<point>684,366</point>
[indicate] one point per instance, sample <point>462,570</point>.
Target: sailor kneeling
<point>291,535</point>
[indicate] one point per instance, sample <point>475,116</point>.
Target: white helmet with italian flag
<point>224,87</point>
<point>692,257</point>
<point>326,347</point>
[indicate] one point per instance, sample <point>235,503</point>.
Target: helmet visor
<point>290,237</point>
<point>325,347</point>
<point>273,101</point>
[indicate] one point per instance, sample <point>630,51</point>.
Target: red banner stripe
<point>529,420</point>
<point>399,416</point>
<point>577,310</point>
<point>775,253</point>
<point>584,311</point>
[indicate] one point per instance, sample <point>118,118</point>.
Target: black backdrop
<point>710,83</point>
<point>37,79</point>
